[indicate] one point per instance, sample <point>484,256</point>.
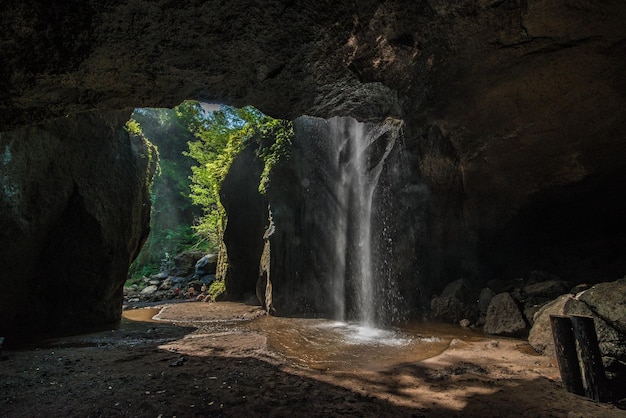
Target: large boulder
<point>206,265</point>
<point>605,303</point>
<point>185,263</point>
<point>74,212</point>
<point>504,317</point>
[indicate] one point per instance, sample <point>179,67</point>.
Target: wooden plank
<point>593,375</point>
<point>566,355</point>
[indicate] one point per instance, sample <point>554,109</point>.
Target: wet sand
<point>216,360</point>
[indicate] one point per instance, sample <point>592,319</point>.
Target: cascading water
<point>359,154</point>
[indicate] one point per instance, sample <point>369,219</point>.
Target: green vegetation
<point>196,150</point>
<point>172,210</point>
<point>220,138</point>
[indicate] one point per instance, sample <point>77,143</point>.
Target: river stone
<point>148,290</point>
<point>504,317</point>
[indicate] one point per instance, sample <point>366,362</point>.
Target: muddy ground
<point>209,364</point>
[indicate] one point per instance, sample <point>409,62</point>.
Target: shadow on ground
<point>138,373</point>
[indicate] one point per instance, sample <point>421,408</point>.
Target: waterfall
<point>358,156</point>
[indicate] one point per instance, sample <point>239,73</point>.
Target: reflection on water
<point>331,345</point>
<point>143,315</point>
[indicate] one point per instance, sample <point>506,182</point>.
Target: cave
<point>514,121</point>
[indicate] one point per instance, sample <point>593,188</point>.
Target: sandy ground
<point>204,364</point>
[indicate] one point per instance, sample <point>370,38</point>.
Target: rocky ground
<point>200,359</point>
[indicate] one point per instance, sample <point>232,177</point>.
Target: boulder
<point>456,302</point>
<point>548,289</point>
<point>185,263</point>
<point>504,317</point>
<point>206,265</point>
<point>605,303</point>
<point>149,290</point>
<point>535,295</point>
<point>608,301</point>
<point>484,299</point>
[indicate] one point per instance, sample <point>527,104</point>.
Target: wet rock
<point>208,279</point>
<point>206,265</point>
<point>247,209</point>
<point>504,317</point>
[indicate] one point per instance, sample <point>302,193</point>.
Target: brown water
<point>324,344</point>
<point>329,345</point>
<point>141,315</point>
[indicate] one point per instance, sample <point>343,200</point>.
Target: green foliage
<point>186,135</point>
<point>282,132</point>
<point>221,136</point>
<point>216,288</point>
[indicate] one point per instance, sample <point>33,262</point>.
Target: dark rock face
<point>247,215</point>
<point>74,212</point>
<point>514,111</point>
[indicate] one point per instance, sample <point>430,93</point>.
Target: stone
<point>456,302</point>
<point>604,302</point>
<point>167,284</point>
<point>185,263</point>
<point>149,290</point>
<point>608,301</point>
<point>465,323</point>
<point>206,265</point>
<point>504,317</point>
<point>484,299</point>
<point>540,335</point>
<point>160,276</point>
<point>549,289</point>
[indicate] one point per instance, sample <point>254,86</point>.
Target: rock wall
<point>247,215</point>
<point>74,212</point>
